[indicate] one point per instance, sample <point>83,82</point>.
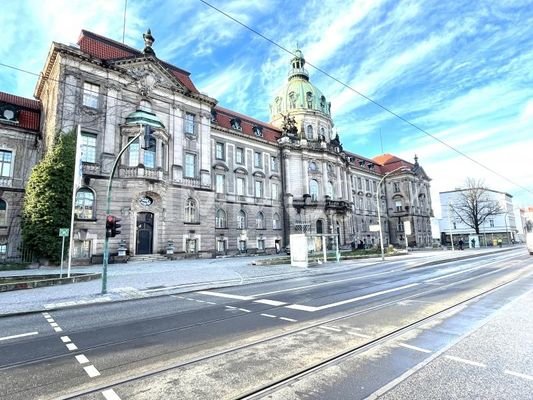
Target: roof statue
<point>148,41</point>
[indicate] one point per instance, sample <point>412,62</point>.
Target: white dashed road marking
<point>110,394</point>
<point>91,371</point>
<point>408,346</point>
<point>518,374</point>
<point>82,359</point>
<point>359,334</point>
<point>270,302</point>
<point>17,336</point>
<point>329,328</point>
<point>465,361</point>
<point>243,310</point>
<point>227,296</point>
<point>231,307</point>
<point>72,346</point>
<point>288,319</point>
<point>268,315</point>
<point>57,329</point>
<point>65,339</point>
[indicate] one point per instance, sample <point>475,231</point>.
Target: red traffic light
<point>111,226</point>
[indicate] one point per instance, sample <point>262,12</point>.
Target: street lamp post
<point>450,224</point>
<point>379,210</point>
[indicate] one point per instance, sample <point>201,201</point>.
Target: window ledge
<point>191,223</point>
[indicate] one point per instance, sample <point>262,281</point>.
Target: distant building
<point>19,151</point>
<point>496,227</point>
<point>215,181</point>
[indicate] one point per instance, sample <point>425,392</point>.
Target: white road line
<point>270,302</point>
<point>200,301</point>
<point>288,319</point>
<point>72,346</point>
<point>340,303</point>
<point>210,302</point>
<point>408,346</point>
<point>50,320</point>
<point>231,307</point>
<point>110,394</point>
<point>455,273</point>
<point>268,315</point>
<point>54,324</point>
<point>244,309</point>
<point>329,328</point>
<point>225,295</point>
<point>58,329</point>
<point>189,299</point>
<point>359,334</point>
<point>20,335</point>
<point>518,374</point>
<point>323,283</point>
<point>65,339</point>
<point>465,361</point>
<point>82,359</point>
<point>46,315</point>
<point>91,371</point>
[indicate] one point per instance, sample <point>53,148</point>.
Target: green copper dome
<point>142,117</point>
<point>298,93</point>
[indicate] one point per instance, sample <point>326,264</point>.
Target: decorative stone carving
<point>146,79</point>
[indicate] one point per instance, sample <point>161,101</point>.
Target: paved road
<point>226,342</point>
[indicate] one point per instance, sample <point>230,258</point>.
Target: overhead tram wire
<point>368,98</point>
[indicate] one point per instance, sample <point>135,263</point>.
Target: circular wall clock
<point>145,201</point>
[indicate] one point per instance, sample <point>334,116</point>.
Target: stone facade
<point>213,181</point>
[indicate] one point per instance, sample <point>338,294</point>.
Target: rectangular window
<point>219,181</point>
<point>241,186</point>
<point>396,187</point>
<point>220,153</point>
<point>273,163</point>
<point>275,191</point>
<point>242,246</point>
<point>257,160</point>
<point>149,154</point>
<point>189,124</point>
<point>367,182</point>
<point>398,205</point>
<point>133,153</point>
<point>400,226</point>
<point>359,183</point>
<point>6,160</point>
<point>82,249</point>
<point>90,94</point>
<point>239,155</point>
<point>258,188</point>
<point>190,165</point>
<point>221,246</point>
<point>3,249</point>
<point>88,147</point>
<point>491,223</point>
<point>374,185</point>
<point>260,244</point>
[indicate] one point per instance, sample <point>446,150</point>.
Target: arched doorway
<point>319,226</point>
<point>145,233</point>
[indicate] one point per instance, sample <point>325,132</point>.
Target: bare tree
<point>474,204</point>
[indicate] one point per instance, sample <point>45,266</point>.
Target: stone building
<point>213,181</point>
<point>19,151</point>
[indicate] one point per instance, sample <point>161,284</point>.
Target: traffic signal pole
<point>108,210</point>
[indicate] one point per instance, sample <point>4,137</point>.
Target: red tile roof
<point>108,49</point>
<point>390,162</point>
<point>30,111</point>
<point>224,117</point>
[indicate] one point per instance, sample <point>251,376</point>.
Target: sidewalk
<point>138,280</point>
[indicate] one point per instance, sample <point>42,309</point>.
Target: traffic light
<point>111,226</point>
<point>149,139</point>
<point>116,227</point>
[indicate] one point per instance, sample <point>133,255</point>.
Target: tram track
<point>260,391</point>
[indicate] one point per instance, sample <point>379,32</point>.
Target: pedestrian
<point>461,243</point>
<point>473,241</point>
<point>500,242</point>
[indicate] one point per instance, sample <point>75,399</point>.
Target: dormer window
<point>309,97</point>
<point>236,124</point>
<point>9,113</point>
<point>258,131</point>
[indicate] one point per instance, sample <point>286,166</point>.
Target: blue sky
<point>462,70</point>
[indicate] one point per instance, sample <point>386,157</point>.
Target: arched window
<point>241,220</point>
<point>276,224</point>
<point>3,208</point>
<point>260,221</point>
<point>191,211</point>
<point>313,189</point>
<point>330,189</point>
<point>309,132</point>
<point>323,133</point>
<point>220,220</point>
<point>84,208</point>
<point>319,226</point>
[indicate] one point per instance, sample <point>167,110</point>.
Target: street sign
<point>374,228</point>
<point>63,232</point>
<point>407,227</point>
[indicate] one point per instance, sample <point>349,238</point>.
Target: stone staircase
<point>146,258</point>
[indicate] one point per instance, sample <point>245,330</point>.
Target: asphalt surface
<point>226,342</point>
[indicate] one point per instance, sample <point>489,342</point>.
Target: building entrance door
<point>145,233</point>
